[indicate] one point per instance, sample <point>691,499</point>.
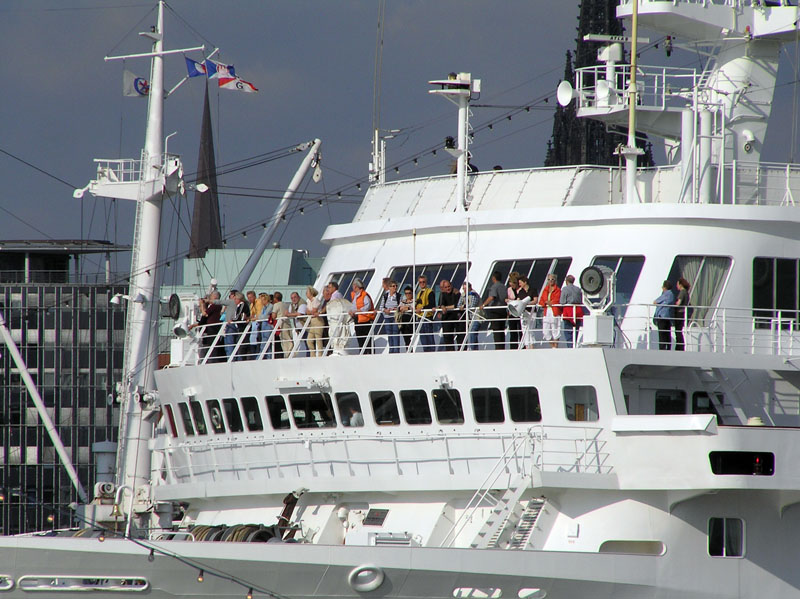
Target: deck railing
<point>704,328</point>
<point>579,449</point>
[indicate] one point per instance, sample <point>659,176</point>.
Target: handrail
<point>707,329</point>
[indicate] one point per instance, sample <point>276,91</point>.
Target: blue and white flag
<point>196,69</point>
<point>217,69</point>
<point>134,86</point>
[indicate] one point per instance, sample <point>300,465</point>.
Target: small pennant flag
<point>237,84</point>
<point>218,70</point>
<point>134,86</point>
<point>196,69</point>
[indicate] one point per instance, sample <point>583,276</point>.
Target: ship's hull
<point>292,570</point>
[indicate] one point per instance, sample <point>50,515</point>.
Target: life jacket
<point>358,300</point>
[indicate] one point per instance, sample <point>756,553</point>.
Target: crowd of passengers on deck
<point>251,326</point>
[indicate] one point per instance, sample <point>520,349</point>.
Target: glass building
<point>71,339</point>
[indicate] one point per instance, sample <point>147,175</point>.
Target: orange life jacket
<point>358,300</point>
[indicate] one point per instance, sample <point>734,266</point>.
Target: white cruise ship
<point>609,468</point>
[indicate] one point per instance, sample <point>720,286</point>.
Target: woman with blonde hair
<point>316,326</point>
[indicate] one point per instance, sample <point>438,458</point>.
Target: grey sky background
<point>312,61</point>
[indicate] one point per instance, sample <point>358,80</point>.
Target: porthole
<point>365,578</point>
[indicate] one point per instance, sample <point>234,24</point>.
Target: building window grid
<point>43,321</point>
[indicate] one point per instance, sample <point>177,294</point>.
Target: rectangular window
<point>627,269</point>
<point>186,417</point>
<point>415,406</point>
<point>447,403</point>
<point>523,404</point>
<point>384,407</point>
<point>171,419</point>
<point>487,405</point>
<point>746,463</point>
<point>345,279</point>
<point>349,409</point>
<point>726,537</point>
<point>703,404</point>
<point>455,272</point>
<point>312,410</point>
<point>215,413</point>
<point>670,401</point>
<point>580,403</point>
<point>252,416</point>
<point>278,414</point>
<point>233,415</point>
<point>706,276</point>
<point>535,269</point>
<point>199,419</point>
<point>775,291</point>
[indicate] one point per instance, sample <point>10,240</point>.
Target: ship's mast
<point>146,183</point>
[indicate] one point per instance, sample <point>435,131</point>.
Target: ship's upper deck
<point>738,183</point>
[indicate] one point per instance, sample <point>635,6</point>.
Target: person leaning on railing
<point>470,301</point>
<point>495,307</point>
<point>663,315</point>
<point>424,304</point>
<point>316,325</point>
<point>406,312</point>
<point>363,313</point>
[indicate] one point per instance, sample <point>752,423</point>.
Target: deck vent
<point>396,539</point>
<point>747,463</point>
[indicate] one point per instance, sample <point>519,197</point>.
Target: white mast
<point>458,88</point>
<point>146,183</point>
<point>630,151</point>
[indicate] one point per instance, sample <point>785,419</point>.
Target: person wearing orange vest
<point>363,314</point>
<point>549,299</point>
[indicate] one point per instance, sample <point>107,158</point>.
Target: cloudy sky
<point>313,62</point>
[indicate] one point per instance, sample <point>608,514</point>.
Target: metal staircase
<point>511,522</point>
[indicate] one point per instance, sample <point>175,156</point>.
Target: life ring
<point>366,578</point>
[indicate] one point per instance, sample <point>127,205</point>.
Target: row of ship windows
<point>320,410</point>
<point>706,274</point>
<point>776,281</point>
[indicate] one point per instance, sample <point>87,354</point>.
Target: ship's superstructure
<point>609,468</point>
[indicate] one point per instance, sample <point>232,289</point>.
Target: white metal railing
<point>704,328</point>
<point>657,87</point>
<point>124,170</point>
<point>547,449</point>
<point>729,3</point>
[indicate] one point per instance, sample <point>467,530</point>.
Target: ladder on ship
<point>488,489</point>
<point>511,522</point>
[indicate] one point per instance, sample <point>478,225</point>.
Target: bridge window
<point>345,279</point>
<point>171,419</point>
<point>670,401</point>
<point>312,410</point>
<point>278,414</point>
<point>252,416</point>
<point>233,415</point>
<point>384,407</point>
<point>186,417</point>
<point>702,403</point>
<point>580,403</point>
<point>487,405</point>
<point>217,424</point>
<point>447,403</point>
<point>535,269</point>
<point>775,296</point>
<point>415,407</point>
<point>523,404</point>
<point>726,537</point>
<point>706,275</point>
<point>627,269</point>
<point>455,272</point>
<point>199,419</point>
<point>349,406</point>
